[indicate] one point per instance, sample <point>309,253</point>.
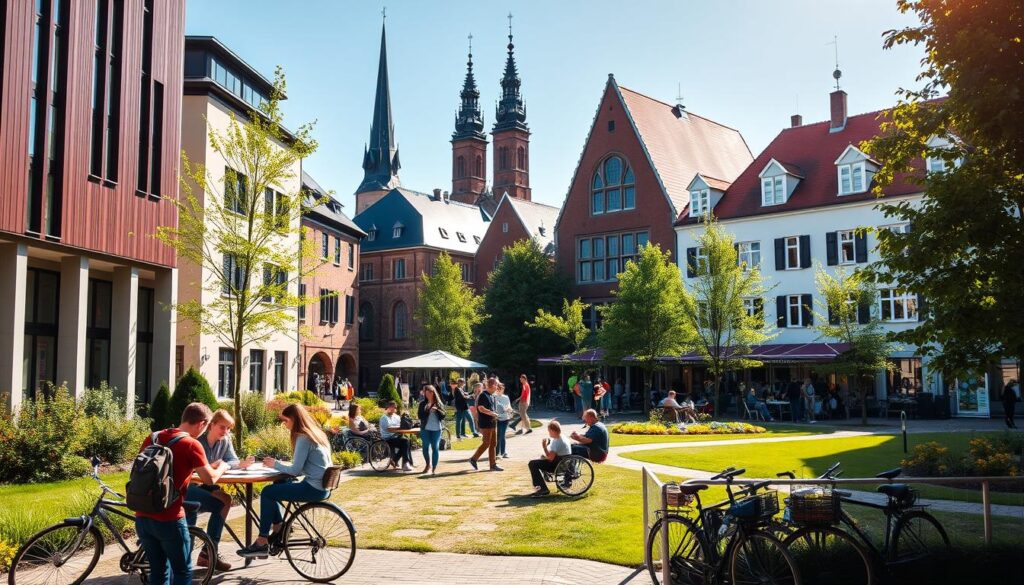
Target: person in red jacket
<point>164,535</point>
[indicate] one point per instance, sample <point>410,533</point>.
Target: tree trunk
<point>647,391</point>
<point>863,394</point>
<point>237,383</point>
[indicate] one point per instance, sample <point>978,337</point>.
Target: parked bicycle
<point>558,400</point>
<point>730,541</point>
<point>66,553</point>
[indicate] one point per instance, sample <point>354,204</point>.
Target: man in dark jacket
<point>462,414</point>
<point>796,403</point>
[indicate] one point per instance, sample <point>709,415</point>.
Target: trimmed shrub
<point>371,410</point>
<point>192,387</point>
<point>160,411</point>
<point>346,459</point>
<point>303,397</point>
<point>46,440</point>
<point>255,414</point>
<point>115,441</point>
<point>103,402</point>
<point>273,441</point>
<point>928,460</point>
<point>274,408</point>
<point>387,392</point>
<point>321,414</point>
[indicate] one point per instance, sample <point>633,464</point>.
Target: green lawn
<point>29,508</point>
<point>774,430</point>
<point>861,457</point>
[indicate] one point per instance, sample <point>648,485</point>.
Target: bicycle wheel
<point>916,536</point>
<point>574,475</point>
<point>760,558</point>
<point>686,552</point>
<point>379,455</point>
<point>59,555</point>
<point>358,445</point>
<point>320,542</point>
<point>828,555</point>
<point>202,549</point>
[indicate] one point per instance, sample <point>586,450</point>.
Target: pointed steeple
<point>380,159</point>
<point>511,109</point>
<point>469,122</point>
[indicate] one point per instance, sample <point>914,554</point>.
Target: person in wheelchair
<point>311,456</point>
<point>594,443</point>
<point>357,425</point>
<point>554,447</point>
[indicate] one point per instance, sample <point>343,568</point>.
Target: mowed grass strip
<point>775,430</point>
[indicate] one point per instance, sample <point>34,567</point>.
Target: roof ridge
<point>688,112</point>
<point>876,112</point>
<point>515,201</point>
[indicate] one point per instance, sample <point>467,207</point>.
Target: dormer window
<point>444,232</point>
<point>397,230</point>
<point>773,190</point>
<point>852,179</point>
<point>371,235</point>
<point>477,240</point>
<point>461,236</point>
<point>936,163</point>
<point>700,202</point>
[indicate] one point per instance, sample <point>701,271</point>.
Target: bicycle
<point>727,541</point>
<point>68,552</point>
<point>558,401</point>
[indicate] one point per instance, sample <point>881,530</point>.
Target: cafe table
<point>243,481</point>
<point>780,404</point>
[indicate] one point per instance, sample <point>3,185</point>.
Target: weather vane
<point>509,24</point>
<point>837,73</point>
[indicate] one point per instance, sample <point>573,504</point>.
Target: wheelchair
<point>372,449</point>
<point>573,475</point>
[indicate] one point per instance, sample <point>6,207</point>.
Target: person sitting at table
<point>311,456</point>
<point>390,424</point>
<point>217,445</point>
<point>554,447</point>
<point>689,409</point>
<point>756,405</point>
<point>594,443</point>
<point>357,425</point>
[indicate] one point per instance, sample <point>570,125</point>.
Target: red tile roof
<point>809,151</point>
<point>681,147</point>
<point>714,183</point>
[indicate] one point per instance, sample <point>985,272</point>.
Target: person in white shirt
<point>669,401</point>
<point>554,447</point>
<point>389,423</point>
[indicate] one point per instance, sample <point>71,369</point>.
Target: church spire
<point>380,159</point>
<point>511,109</point>
<point>469,122</point>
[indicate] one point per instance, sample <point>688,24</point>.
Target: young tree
<point>447,309</point>
<point>715,303</point>
<point>647,320</point>
<point>248,245</point>
<point>569,325</point>
<point>524,282</point>
<point>962,250</point>
<point>844,315</point>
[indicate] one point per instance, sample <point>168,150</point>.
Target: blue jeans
<point>502,429</point>
<point>431,446</point>
<point>461,417</point>
<point>287,490</point>
<point>168,547</point>
<point>207,503</point>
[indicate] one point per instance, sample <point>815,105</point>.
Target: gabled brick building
<point>513,221</point>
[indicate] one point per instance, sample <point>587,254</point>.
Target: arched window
<point>398,320</point>
<point>460,167</point>
<point>479,166</point>
<point>521,155</point>
<point>613,187</point>
<point>503,161</point>
<point>366,323</point>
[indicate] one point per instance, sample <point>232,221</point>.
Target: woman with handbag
<point>431,414</point>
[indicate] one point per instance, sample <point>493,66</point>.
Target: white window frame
<point>700,260</point>
<point>798,306</point>
<point>897,228</point>
<point>934,164</point>
<point>897,301</point>
<point>855,170</point>
<point>746,254</point>
<point>396,232</point>
<point>504,227</point>
<point>750,306</point>
<point>773,190</point>
<point>843,238</point>
<point>700,202</point>
<point>796,246</point>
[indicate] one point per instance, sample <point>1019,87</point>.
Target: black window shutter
<point>780,254</point>
<point>831,243</point>
<point>833,318</point>
<point>691,262</point>
<point>267,281</point>
<point>759,309</point>
<point>922,308</point>
<point>863,313</point>
<point>805,301</point>
<point>324,316</point>
<point>805,251</point>
<point>860,245</point>
<point>780,310</point>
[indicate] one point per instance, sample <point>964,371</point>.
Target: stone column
<point>13,280</point>
<point>165,336</point>
<point>74,307</point>
<point>124,333</point>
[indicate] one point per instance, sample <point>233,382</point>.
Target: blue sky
<point>744,63</point>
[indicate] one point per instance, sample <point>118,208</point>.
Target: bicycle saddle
<point>690,489</point>
<point>891,474</point>
<point>895,490</point>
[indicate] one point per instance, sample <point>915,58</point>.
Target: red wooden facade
<point>97,215</point>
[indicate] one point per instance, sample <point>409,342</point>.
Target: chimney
<point>437,194</point>
<point>796,120</point>
<point>446,197</point>
<point>838,102</point>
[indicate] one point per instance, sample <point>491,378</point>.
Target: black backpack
<point>151,487</point>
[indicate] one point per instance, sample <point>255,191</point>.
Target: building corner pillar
<point>124,332</point>
<point>74,308</point>
<point>13,283</point>
<point>165,335</point>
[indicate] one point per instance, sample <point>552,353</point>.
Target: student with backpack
<point>156,492</point>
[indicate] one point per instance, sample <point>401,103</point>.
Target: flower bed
<point>708,428</point>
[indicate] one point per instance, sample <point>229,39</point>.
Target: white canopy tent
<point>435,360</point>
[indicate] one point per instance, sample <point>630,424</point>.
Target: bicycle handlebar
<point>788,474</point>
<point>729,473</point>
<point>106,489</point>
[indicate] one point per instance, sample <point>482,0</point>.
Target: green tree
<point>387,391</point>
<point>966,237</point>
<point>569,325</point>
<point>159,412</point>
<point>840,314</point>
<point>447,309</point>
<point>647,319</point>
<point>191,387</point>
<point>714,302</point>
<point>524,282</point>
<point>249,246</point>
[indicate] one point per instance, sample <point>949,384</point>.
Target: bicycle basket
<point>675,498</point>
<point>757,506</point>
<point>908,499</point>
<point>814,506</point>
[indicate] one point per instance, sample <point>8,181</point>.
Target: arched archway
<point>320,369</point>
<point>346,369</point>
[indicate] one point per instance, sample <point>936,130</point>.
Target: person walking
<point>486,422</point>
<point>503,408</point>
<point>164,534</point>
<point>572,386</point>
<point>793,394</point>
<point>1009,398</point>
<point>525,395</point>
<point>618,392</point>
<point>807,391</point>
<point>606,398</point>
<point>431,415</point>
<point>462,414</point>
<point>586,394</point>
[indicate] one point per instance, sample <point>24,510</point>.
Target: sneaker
<point>254,551</point>
<point>476,435</point>
<point>520,432</point>
<point>473,463</point>
<point>529,431</point>
<point>540,493</point>
<point>496,468</point>
<point>406,467</point>
<point>203,561</point>
<point>504,455</point>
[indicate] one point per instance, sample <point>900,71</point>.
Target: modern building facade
<point>513,221</point>
<point>328,329</point>
<point>218,85</point>
<point>89,143</point>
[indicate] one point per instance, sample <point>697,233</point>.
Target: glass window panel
<point>613,170</point>
<point>599,271</point>
<point>598,247</point>
<point>598,183</point>
<point>613,246</point>
<point>641,239</point>
<point>613,268</point>
<point>628,179</point>
<point>597,202</point>
<point>628,244</point>
<point>585,272</point>
<point>614,200</point>
<point>585,248</point>
<point>629,198</point>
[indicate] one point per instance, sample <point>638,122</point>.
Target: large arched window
<point>503,162</point>
<point>398,321</point>
<point>521,156</point>
<point>366,323</point>
<point>460,167</point>
<point>479,167</point>
<point>613,187</point>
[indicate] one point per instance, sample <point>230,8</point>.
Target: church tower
<point>511,135</point>
<point>380,158</point>
<point>469,143</point>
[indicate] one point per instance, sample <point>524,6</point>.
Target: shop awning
<point>771,352</point>
<point>589,356</point>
